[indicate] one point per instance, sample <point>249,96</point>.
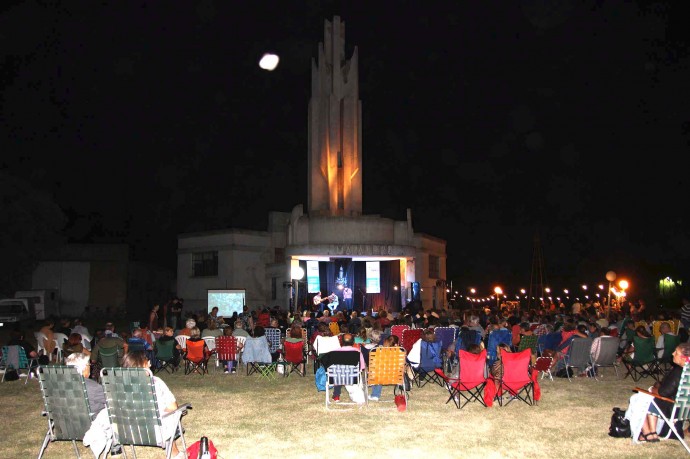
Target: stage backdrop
<point>353,274</point>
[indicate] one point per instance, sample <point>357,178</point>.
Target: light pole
<point>498,291</point>
<point>610,276</point>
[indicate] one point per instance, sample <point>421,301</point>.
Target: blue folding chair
<point>495,338</point>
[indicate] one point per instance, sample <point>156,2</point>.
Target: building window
<point>204,264</point>
<point>274,289</point>
<point>434,267</point>
<point>279,255</point>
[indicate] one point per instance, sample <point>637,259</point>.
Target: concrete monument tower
<point>335,129</point>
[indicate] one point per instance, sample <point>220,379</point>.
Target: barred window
<point>434,267</point>
<point>204,264</point>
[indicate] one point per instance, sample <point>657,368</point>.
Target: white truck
<point>16,311</point>
<point>46,302</point>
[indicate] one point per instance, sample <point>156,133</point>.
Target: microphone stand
<point>364,300</point>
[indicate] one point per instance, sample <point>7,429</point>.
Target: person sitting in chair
<point>668,387</point>
<point>99,433</point>
<point>356,393</point>
<point>80,361</point>
<point>664,329</point>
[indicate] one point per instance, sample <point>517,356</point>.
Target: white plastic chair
<point>86,342</point>
<point>241,340</point>
<point>40,339</point>
<point>60,339</point>
<point>182,341</point>
<point>211,344</point>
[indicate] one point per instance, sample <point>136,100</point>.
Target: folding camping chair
<point>133,411</point>
<point>164,356</point>
<point>578,355</point>
<point>409,337</point>
<point>430,361</point>
<point>656,325</point>
<point>397,330</point>
<point>543,365</point>
<point>107,357</point>
<point>343,369</point>
<point>295,360</point>
<point>226,350</point>
<point>257,357</point>
<point>14,357</point>
<point>386,367</point>
<point>65,404</point>
<point>495,338</point>
<point>517,381</point>
<point>549,341</point>
<point>471,381</point>
<point>196,357</point>
<point>665,362</point>
<point>273,337</point>
<point>445,336</point>
<point>681,406</point>
<point>644,362</point>
<point>604,354</point>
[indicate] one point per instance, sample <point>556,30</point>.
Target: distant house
<point>96,279</point>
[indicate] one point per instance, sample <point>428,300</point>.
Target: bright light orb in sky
<point>269,61</point>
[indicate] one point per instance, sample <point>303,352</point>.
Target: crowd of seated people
<point>374,329</point>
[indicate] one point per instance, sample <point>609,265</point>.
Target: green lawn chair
<point>644,362</point>
<point>681,407</point>
<point>66,405</point>
<point>133,410</point>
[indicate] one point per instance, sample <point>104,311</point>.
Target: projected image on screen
<point>227,301</point>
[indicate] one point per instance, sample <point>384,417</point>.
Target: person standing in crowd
<point>347,298</point>
<point>171,313</point>
<point>153,318</point>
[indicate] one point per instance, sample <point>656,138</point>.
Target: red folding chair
<point>409,337</point>
<point>397,330</point>
<point>471,381</point>
<point>226,349</point>
<point>518,381</point>
<point>294,358</point>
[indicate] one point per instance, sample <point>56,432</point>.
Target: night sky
<point>493,121</point>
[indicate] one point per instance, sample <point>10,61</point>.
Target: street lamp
<point>498,291</point>
<point>610,276</point>
<point>296,273</point>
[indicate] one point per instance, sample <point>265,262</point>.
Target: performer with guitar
<point>333,302</point>
<point>318,300</point>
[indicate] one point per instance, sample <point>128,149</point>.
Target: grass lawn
<point>248,417</point>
